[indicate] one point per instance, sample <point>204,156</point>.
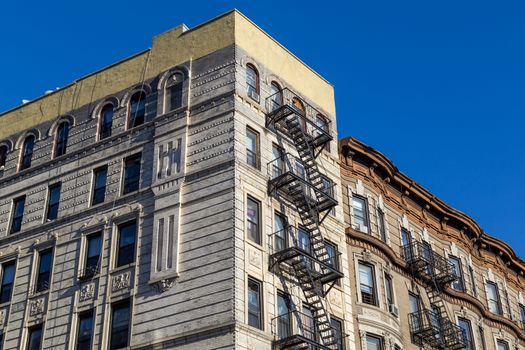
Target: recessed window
<point>100,177</point>
<point>466,329</point>
<point>456,269</point>
<point>494,302</point>
<point>85,330</point>
<point>120,316</point>
<point>3,155</point>
<point>61,139</point>
<point>333,258</point>
<point>94,245</point>
<point>280,232</point>
<point>473,280</point>
<point>374,342</point>
<point>308,323</point>
<point>27,152</point>
<point>367,284</point>
<point>137,109</point>
<point>252,148</point>
<point>300,110</point>
<point>482,337</point>
<point>322,127</point>
<point>522,315</point>
<point>360,213</point>
<point>276,96</point>
<point>503,345</point>
<point>8,278</point>
<point>284,318</point>
<point>254,303</point>
<point>252,82</point>
<point>253,216</point>
<point>53,201</point>
<point>106,121</point>
<point>337,326</point>
<point>43,277</point>
<point>277,164</point>
<point>174,91</point>
<point>126,243</point>
<point>34,338</point>
<point>18,214</point>
<point>132,173</point>
<point>389,290</point>
<point>381,224</point>
<point>406,238</point>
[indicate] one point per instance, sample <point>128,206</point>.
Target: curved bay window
<point>106,121</point>
<point>27,152</point>
<point>3,155</point>
<point>174,87</point>
<point>137,109</point>
<point>276,98</point>
<point>252,82</point>
<point>61,139</point>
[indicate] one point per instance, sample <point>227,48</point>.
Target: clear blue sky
<point>437,86</point>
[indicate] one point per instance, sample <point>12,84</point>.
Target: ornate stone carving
<point>165,284</point>
<point>367,256</point>
<point>120,282</point>
<point>254,257</point>
<point>36,307</point>
<point>87,291</point>
<point>2,318</point>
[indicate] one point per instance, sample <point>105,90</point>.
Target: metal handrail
<point>294,323</point>
<point>433,263</point>
<point>430,327</point>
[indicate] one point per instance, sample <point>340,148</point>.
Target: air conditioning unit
<point>393,309</point>
<point>253,95</point>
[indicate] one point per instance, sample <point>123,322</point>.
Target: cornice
<point>349,147</point>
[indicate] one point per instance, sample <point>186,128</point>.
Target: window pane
<point>61,140</point>
<point>35,338</point>
<point>254,304</point>
<point>276,96</point>
<point>175,91</point>
<point>456,268</point>
<point>280,232</point>
<point>120,325</point>
<point>106,121</point>
<point>18,214</point>
<point>467,333</point>
<point>360,213</point>
<point>44,270</point>
<point>252,216</point>
<point>373,343</point>
<point>137,110</point>
<point>251,148</point>
<point>93,254</point>
<point>3,155</point>
<point>99,190</point>
<point>27,152</point>
<point>367,285</point>
<point>338,328</point>
<point>85,331</point>
<point>382,224</point>
<point>8,277</point>
<point>284,323</point>
<point>132,174</point>
<point>126,251</point>
<point>53,202</point>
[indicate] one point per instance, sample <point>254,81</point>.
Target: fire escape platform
<point>298,342</point>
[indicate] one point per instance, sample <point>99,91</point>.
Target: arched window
<point>276,96</point>
<point>3,155</point>
<point>300,109</point>
<point>106,121</point>
<point>27,152</point>
<point>137,109</point>
<point>322,123</point>
<point>174,91</point>
<point>61,139</point>
<point>252,82</point>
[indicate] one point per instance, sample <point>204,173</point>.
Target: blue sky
<point>438,87</point>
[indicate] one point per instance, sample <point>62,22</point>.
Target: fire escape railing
<point>432,327</point>
<point>297,181</point>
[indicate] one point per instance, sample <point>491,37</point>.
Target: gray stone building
<point>185,197</point>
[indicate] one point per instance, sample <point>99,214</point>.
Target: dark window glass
<point>106,121</point>
<point>252,82</point>
<point>120,325</point>
<point>503,345</point>
<point>174,90</point>
<point>382,224</point>
<point>8,277</point>
<point>367,284</point>
<point>331,249</point>
<point>254,303</point>
<point>359,206</point>
<point>85,330</point>
<point>253,220</point>
<point>276,96</point>
<point>466,329</point>
<point>456,268</point>
<point>281,237</point>
<point>374,342</point>
<point>389,289</point>
<point>94,245</point>
<point>322,127</point>
<point>137,109</point>
<point>308,323</point>
<point>126,243</point>
<point>53,201</point>
<point>338,328</point>
<point>522,315</point>
<point>284,323</point>
<point>473,280</point>
<point>252,148</point>
<point>27,152</point>
<point>132,173</point>
<point>61,140</point>
<point>493,298</point>
<point>34,339</point>
<point>277,161</point>
<point>44,270</point>
<point>3,155</point>
<point>100,177</point>
<point>18,214</point>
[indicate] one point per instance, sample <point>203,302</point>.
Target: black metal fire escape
<point>298,182</point>
<point>432,327</point>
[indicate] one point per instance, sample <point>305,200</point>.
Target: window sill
<point>123,267</point>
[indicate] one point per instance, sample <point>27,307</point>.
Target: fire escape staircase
<point>299,182</point>
<point>432,327</point>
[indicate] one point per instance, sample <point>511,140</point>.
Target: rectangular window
<point>466,329</point>
<point>482,336</point>
<point>277,167</point>
<point>252,148</point>
<point>503,345</point>
<point>8,278</point>
<point>253,220</point>
<point>120,316</point>
<point>389,290</point>
<point>100,177</point>
<point>522,315</point>
<point>280,234</point>
<point>456,269</point>
<point>284,321</point>
<point>45,259</point>
<point>382,224</point>
<point>473,280</point>
<point>126,243</point>
<point>34,339</point>
<point>18,214</point>
<point>85,330</point>
<point>360,212</point>
<point>493,298</point>
<point>132,173</point>
<point>53,201</point>
<point>367,284</point>
<point>308,323</point>
<point>333,258</point>
<point>337,325</point>
<point>94,245</point>
<point>374,342</point>
<point>254,303</point>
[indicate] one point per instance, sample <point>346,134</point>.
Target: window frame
<point>53,207</point>
<point>275,105</point>
<point>132,123</point>
<point>3,284</point>
<point>82,315</point>
<point>250,89</point>
<point>381,224</point>
<point>389,290</point>
<point>125,178</point>
<point>105,129</point>
<point>88,269</point>
<point>17,218</point>
<point>4,150</point>
<point>371,298</point>
<point>95,190</point>
<point>366,214</point>
<point>468,333</point>
<point>42,286</point>
<point>340,345</point>
<point>376,337</point>
<point>499,310</point>
<point>125,303</point>
<point>257,224</point>
<point>61,139</point>
<point>502,342</point>
<point>26,156</point>
<point>256,162</point>
<point>459,284</point>
<point>38,327</point>
<point>169,88</point>
<point>119,250</point>
<point>258,313</point>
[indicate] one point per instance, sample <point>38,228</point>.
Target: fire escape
<point>432,327</point>
<point>300,254</point>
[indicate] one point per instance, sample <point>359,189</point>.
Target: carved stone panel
<point>36,307</point>
<point>87,292</point>
<point>120,281</point>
